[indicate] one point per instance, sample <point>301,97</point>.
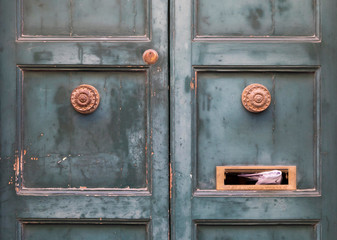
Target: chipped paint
<point>16,168</point>
<point>11,181</point>
<point>192,85</point>
<point>62,160</point>
<point>128,113</point>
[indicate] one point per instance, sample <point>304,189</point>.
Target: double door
<point>102,140</point>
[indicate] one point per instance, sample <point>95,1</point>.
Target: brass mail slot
<point>233,178</point>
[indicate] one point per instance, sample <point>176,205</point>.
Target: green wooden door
<point>219,48</point>
<point>67,175</point>
<point>105,175</point>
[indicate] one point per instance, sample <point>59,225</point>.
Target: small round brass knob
<point>256,98</point>
<point>150,56</point>
<point>85,99</point>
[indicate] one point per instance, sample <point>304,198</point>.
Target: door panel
<point>258,231</point>
<point>84,231</point>
<point>79,19</point>
<point>54,133</point>
<point>219,48</point>
<point>246,18</point>
<point>284,134</point>
<point>74,176</point>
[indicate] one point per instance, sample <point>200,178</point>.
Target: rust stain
<point>34,158</point>
<point>83,187</point>
<point>17,171</point>
<point>170,181</point>
<point>16,164</point>
<point>24,152</point>
<point>195,79</point>
<point>11,181</point>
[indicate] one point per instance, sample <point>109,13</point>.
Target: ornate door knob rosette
<point>85,99</point>
<point>256,98</point>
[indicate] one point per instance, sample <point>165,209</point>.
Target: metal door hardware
<point>150,56</point>
<point>256,98</point>
<point>256,178</point>
<point>85,99</point>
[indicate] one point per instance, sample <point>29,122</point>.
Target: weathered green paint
<point>84,18</point>
<point>257,231</point>
<point>71,148</point>
<point>218,48</point>
<point>258,18</point>
<point>84,231</point>
<point>105,175</point>
<point>98,176</point>
<point>284,134</point>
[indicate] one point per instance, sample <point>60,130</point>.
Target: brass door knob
<point>150,56</point>
<point>85,99</point>
<point>255,98</point>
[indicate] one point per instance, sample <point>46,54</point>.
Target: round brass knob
<point>256,98</point>
<point>150,56</point>
<point>85,99</point>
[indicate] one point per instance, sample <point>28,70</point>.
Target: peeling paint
<point>16,168</point>
<point>192,85</point>
<point>63,159</point>
<point>11,181</point>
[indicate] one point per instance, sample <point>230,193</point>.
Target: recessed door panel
<point>66,149</point>
<point>252,19</point>
<point>84,231</point>
<point>84,19</point>
<point>286,133</point>
<point>257,231</point>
